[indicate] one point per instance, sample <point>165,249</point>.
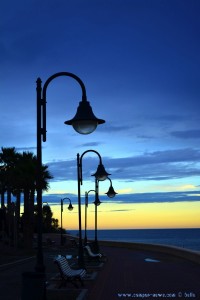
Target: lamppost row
<point>84,122</point>
<point>111,193</point>
<point>100,175</point>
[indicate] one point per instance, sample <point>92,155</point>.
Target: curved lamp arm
<point>111,192</point>
<point>100,174</point>
<point>70,207</point>
<point>86,196</point>
<point>84,97</point>
<point>84,121</point>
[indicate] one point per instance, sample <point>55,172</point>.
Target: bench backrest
<point>63,266</point>
<point>89,250</point>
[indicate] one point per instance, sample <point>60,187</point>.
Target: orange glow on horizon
<point>134,216</point>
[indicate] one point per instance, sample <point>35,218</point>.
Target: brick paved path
<point>133,274</point>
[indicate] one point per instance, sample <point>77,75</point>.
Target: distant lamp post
<point>86,207</point>
<point>96,203</point>
<point>111,193</point>
<point>70,207</point>
<point>100,174</point>
<point>84,122</point>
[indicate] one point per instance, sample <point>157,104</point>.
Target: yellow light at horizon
<point>125,216</point>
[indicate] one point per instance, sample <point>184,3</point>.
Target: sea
<point>185,238</point>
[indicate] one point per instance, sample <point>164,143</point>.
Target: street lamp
<point>100,174</point>
<point>96,203</point>
<point>70,207</point>
<point>111,193</point>
<point>84,122</point>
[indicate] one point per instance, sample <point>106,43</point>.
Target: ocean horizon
<point>188,238</point>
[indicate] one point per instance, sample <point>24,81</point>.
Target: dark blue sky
<point>139,60</point>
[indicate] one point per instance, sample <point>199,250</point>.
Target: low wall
<point>172,250</point>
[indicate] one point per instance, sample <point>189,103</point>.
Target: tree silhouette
<point>17,176</point>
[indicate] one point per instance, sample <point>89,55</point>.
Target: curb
<point>187,254</point>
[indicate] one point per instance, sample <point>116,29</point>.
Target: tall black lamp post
<point>86,206</point>
<point>110,193</point>
<point>100,175</point>
<point>70,207</point>
<point>84,122</point>
<point>96,204</point>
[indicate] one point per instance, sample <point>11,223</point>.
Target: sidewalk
<point>127,273</point>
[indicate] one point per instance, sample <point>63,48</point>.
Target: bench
<point>68,274</point>
<point>92,255</point>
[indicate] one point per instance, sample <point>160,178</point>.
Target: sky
<point>139,61</point>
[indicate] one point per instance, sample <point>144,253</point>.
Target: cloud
<point>26,149</point>
<point>121,210</point>
<point>157,165</point>
<point>166,156</point>
<point>169,197</point>
<point>55,199</point>
<point>63,170</point>
<point>157,197</point>
<point>187,134</point>
<point>91,144</point>
<point>115,128</point>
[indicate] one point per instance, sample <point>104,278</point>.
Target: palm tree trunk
<point>17,216</point>
<point>9,215</point>
<point>26,227</point>
<point>2,198</point>
<point>28,219</point>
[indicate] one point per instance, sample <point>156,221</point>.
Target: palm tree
<point>2,185</point>
<point>26,169</point>
<point>17,176</point>
<point>8,158</point>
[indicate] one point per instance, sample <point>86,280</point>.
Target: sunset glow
<point>135,216</point>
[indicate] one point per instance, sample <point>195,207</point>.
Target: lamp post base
<point>96,247</point>
<point>33,286</point>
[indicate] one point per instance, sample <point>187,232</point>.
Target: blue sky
<point>139,61</point>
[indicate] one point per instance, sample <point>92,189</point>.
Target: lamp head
<point>97,202</point>
<point>84,121</point>
<point>70,207</point>
<point>101,173</point>
<point>111,192</point>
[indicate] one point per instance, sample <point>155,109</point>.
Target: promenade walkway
<point>145,275</point>
<point>127,273</point>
